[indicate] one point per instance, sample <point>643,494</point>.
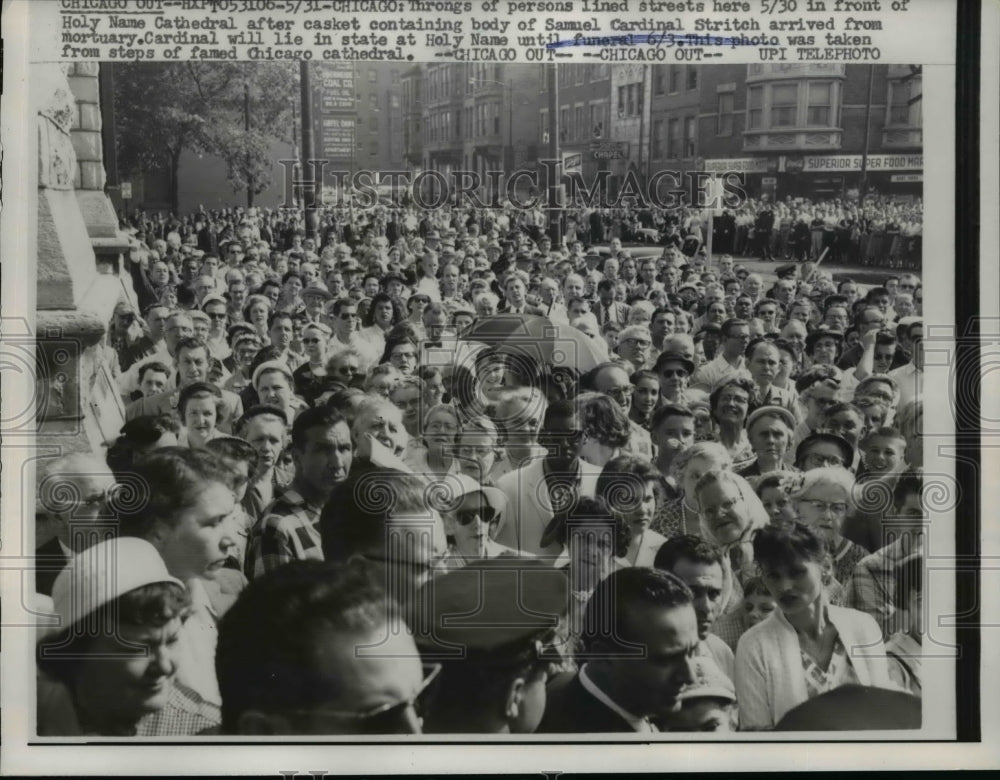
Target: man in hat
<point>818,389</point>
<point>818,450</point>
<point>640,637</point>
<point>493,627</point>
<point>707,705</point>
<point>315,297</point>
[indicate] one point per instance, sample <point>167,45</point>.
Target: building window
<point>689,136</point>
<point>674,139</point>
<point>372,76</point>
<point>692,77</point>
<point>755,109</point>
<point>660,79</point>
<point>580,129</point>
<point>597,120</point>
<point>675,78</point>
<point>496,118</point>
<point>905,102</point>
<point>394,101</point>
<point>373,102</point>
<point>395,77</point>
<point>725,120</point>
<point>818,112</point>
<point>784,104</point>
<point>564,123</point>
<point>579,73</point>
<point>657,139</point>
<point>621,100</point>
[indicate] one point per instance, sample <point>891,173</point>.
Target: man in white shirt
<point>910,377</point>
<point>730,362</point>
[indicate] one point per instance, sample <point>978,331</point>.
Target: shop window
<point>657,139</point>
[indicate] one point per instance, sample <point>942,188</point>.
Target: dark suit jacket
<point>49,561</point>
<point>571,709</point>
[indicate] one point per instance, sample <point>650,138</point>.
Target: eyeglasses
<point>836,507</point>
<point>310,341</point>
<point>638,342</point>
<point>348,315</point>
<point>676,373</point>
<point>620,393</point>
<point>217,315</point>
<point>467,516</point>
<point>817,459</point>
<point>389,718</point>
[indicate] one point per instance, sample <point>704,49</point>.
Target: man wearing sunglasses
<point>503,617</point>
<point>318,648</point>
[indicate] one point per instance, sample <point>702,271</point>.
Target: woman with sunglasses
<point>471,521</point>
<point>310,378</point>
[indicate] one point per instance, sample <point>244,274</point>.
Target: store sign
<point>572,162</point>
<point>609,150</point>
<point>906,177</point>
<point>852,162</point>
<point>737,165</point>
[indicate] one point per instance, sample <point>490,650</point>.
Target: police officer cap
<point>500,610</point>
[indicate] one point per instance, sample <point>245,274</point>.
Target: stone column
<point>78,406</point>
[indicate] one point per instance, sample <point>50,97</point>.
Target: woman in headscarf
<point>680,516</point>
<point>729,513</point>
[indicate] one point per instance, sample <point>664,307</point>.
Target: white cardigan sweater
<point>770,679</point>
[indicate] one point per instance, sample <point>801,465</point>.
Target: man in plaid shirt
<point>289,530</point>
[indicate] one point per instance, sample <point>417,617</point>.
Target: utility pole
<point>554,209</point>
<point>308,178</point>
<point>868,123</point>
<point>246,130</point>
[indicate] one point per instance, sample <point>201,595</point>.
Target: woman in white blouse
<point>807,646</point>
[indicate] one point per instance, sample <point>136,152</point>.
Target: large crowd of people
<point>401,471</point>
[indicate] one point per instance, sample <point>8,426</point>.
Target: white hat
<point>452,488</point>
<point>271,365</point>
<point>104,572</point>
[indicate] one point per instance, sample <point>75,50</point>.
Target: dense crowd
<point>422,471</point>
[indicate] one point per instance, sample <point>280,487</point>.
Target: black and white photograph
<point>384,402</point>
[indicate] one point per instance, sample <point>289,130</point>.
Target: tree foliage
<point>163,108</point>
